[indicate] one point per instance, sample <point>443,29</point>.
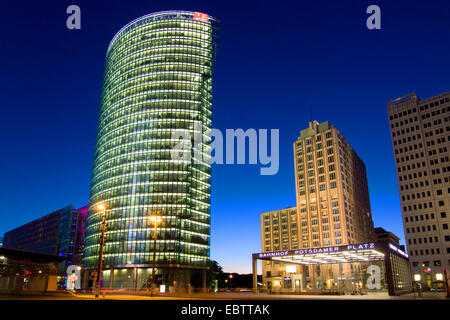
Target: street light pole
<point>447,289</point>
<point>100,253</point>
<point>155,219</point>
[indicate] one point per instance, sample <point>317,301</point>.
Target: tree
<point>214,273</point>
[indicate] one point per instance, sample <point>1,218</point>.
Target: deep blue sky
<point>274,60</point>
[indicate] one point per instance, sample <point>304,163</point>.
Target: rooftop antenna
<point>310,113</point>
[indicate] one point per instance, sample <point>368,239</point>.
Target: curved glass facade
<point>157,79</point>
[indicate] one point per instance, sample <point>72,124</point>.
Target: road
<point>219,296</point>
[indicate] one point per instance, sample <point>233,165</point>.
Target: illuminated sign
<point>273,254</point>
<point>291,269</point>
<point>361,246</point>
<point>394,248</point>
<point>318,250</point>
<point>287,278</point>
<point>201,16</point>
<point>352,247</point>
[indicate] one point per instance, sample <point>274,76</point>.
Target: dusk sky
<point>274,60</point>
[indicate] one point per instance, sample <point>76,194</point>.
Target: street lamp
<point>155,219</point>
<point>100,207</point>
<point>447,289</point>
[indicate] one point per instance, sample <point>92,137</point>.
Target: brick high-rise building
<point>333,208</point>
<point>331,189</point>
<point>279,230</point>
<point>420,131</point>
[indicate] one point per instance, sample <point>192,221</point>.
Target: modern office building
<point>333,209</point>
<point>420,131</point>
<point>59,233</point>
<point>157,81</point>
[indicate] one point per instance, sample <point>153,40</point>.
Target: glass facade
<point>343,278</point>
<point>157,79</point>
<point>401,274</point>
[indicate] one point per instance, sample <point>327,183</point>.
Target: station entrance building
<point>366,268</point>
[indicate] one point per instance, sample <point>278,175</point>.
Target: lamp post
<point>101,207</point>
<point>155,219</point>
<point>447,289</point>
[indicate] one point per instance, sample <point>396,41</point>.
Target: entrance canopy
<point>337,254</point>
<point>394,262</point>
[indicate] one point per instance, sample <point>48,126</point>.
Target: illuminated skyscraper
<point>158,79</point>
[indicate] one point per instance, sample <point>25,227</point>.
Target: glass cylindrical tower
<point>158,79</point>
